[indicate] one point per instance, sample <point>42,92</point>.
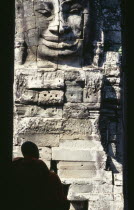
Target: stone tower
<point>68,95</point>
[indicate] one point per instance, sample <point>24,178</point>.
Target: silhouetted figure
<point>34,187</point>
<point>58,200</point>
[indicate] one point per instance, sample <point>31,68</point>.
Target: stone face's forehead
<point>61,2</point>
<point>44,1</point>
<point>47,2</point>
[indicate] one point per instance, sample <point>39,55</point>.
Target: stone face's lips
<point>59,45</point>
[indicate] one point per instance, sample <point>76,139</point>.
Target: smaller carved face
<point>59,27</point>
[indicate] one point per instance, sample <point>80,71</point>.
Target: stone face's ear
<point>19,9</point>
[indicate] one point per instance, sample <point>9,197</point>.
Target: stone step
<point>81,144</point>
<point>77,155</point>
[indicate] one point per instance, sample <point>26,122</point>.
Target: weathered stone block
<point>53,80</point>
<point>76,129</point>
<point>113,81</point>
<point>77,155</point>
<point>67,136</point>
<point>103,188</point>
<point>118,179</point>
<point>28,97</point>
<point>89,97</point>
<point>41,140</point>
<point>112,70</point>
<point>46,80</point>
<point>39,125</point>
<point>19,55</point>
<point>53,75</point>
<point>45,153</point>
<point>79,110</point>
<point>112,58</point>
<point>118,197</point>
<point>118,189</point>
<point>34,111</point>
<point>20,84</point>
<point>102,205</point>
<point>94,78</point>
<point>35,81</point>
<point>116,205</point>
<point>76,75</point>
<point>92,90</point>
<point>51,97</point>
<point>74,94</point>
<point>82,126</point>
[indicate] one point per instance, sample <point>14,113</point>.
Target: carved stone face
<point>60,27</point>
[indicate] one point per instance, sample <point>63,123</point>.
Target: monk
<point>34,186</point>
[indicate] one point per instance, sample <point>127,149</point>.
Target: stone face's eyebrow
<point>71,2</point>
<point>76,5</point>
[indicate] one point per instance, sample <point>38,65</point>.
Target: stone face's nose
<point>63,28</point>
<point>54,30</point>
<point>54,25</point>
<point>63,25</point>
<point>58,25</point>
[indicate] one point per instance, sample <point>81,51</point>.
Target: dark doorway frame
<point>124,100</point>
<point>7,31</point>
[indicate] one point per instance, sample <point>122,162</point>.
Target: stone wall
<point>67,95</point>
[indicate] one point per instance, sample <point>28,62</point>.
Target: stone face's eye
<point>76,9</point>
<point>44,12</point>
